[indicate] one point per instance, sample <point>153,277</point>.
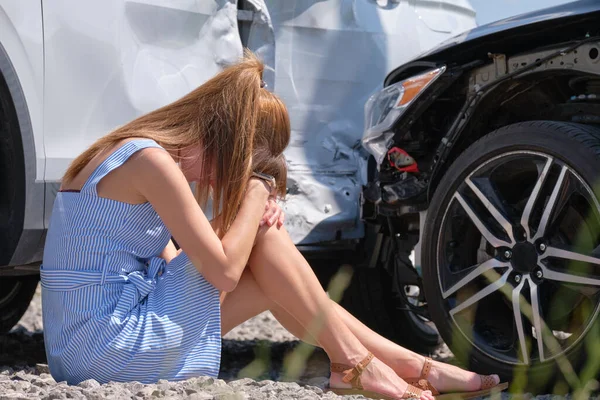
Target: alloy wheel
<point>518,257</point>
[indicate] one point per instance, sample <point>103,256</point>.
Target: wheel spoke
<point>534,196</point>
<point>501,219</point>
<point>551,204</point>
<point>493,240</point>
<point>538,324</point>
<point>567,278</point>
<point>479,270</point>
<point>516,303</point>
<point>489,289</point>
<point>570,255</point>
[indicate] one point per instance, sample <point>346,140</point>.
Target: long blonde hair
<point>271,138</point>
<point>223,115</point>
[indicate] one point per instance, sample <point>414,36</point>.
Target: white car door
<point>108,61</point>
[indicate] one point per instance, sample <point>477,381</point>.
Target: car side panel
<point>327,58</point>
<point>112,60</point>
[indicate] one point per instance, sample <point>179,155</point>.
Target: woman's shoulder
<point>152,160</point>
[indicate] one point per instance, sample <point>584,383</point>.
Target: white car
<point>71,71</point>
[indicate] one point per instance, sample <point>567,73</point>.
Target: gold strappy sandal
<point>488,385</point>
<point>352,376</point>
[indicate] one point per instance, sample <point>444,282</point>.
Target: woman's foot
<point>377,377</point>
<point>444,377</point>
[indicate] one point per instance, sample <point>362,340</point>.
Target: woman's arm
<point>160,181</point>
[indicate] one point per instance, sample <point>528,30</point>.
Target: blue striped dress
<point>112,309</point>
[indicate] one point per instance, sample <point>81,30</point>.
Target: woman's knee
<point>271,243</point>
<point>271,234</point>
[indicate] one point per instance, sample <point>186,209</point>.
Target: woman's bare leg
<point>287,280</point>
<point>248,300</point>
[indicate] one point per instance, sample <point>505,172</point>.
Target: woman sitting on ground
<point>120,303</point>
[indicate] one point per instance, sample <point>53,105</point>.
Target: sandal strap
<point>424,384</point>
<point>487,382</point>
<point>412,392</point>
<point>339,368</point>
<point>352,374</point>
<point>426,368</point>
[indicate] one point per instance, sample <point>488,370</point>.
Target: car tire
<point>472,304</point>
<point>15,295</point>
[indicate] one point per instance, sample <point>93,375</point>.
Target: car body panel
<point>574,20</point>
<point>110,61</point>
<point>327,57</point>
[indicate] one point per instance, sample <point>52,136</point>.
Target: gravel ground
<point>24,374</point>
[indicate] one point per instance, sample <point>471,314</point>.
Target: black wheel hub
<point>524,257</point>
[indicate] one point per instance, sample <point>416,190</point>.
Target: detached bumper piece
<point>408,188</point>
<point>408,184</point>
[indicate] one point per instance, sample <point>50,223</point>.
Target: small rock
<point>42,369</point>
<point>266,382</point>
<point>39,382</point>
<point>201,382</point>
<point>46,377</point>
<point>89,384</point>
<point>22,386</point>
<point>231,396</point>
<point>94,395</point>
<point>123,393</point>
<point>163,385</point>
<point>307,396</point>
<point>201,396</point>
<point>13,396</point>
<point>56,396</point>
<point>75,395</point>
<point>135,386</point>
<point>145,392</point>
<point>243,382</point>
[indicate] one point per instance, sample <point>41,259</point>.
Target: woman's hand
<point>273,214</point>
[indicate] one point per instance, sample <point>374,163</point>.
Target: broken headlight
<point>384,108</point>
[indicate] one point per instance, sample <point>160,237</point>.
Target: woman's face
<point>191,166</point>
